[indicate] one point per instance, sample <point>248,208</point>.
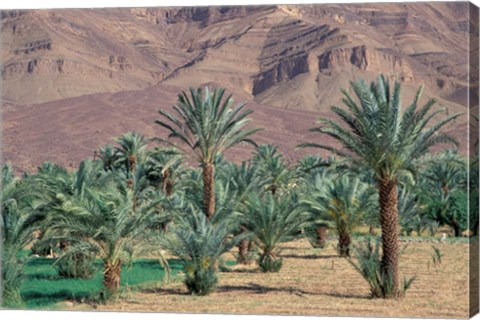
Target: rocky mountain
<point>294,57</point>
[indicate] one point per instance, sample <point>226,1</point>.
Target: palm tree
<point>52,180</point>
<point>199,243</point>
<point>245,180</point>
<point>131,150</point>
<point>344,202</point>
<point>208,127</point>
<point>105,222</point>
<point>272,169</point>
<point>164,167</point>
<point>18,222</point>
<point>445,176</point>
<point>273,220</point>
<point>375,134</point>
<point>108,156</point>
<point>411,213</point>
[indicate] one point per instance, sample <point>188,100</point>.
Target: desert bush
<point>369,266</point>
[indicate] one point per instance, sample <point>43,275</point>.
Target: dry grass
<point>316,282</point>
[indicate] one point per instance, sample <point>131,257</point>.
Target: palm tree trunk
<point>209,189</point>
<point>167,183</point>
<point>243,252</point>
<point>388,197</point>
<point>321,235</point>
<point>344,244</point>
<point>456,228</point>
<point>111,276</point>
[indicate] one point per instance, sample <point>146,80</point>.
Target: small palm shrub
<point>105,223</point>
<point>272,221</point>
<point>342,201</point>
<point>437,255</point>
<point>369,263</point>
<point>272,170</point>
<point>199,243</point>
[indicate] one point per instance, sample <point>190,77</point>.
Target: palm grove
<point>139,195</point>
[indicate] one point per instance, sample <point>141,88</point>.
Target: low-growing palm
<point>104,222</point>
<point>272,169</point>
<point>131,150</point>
<point>164,167</point>
<point>411,213</point>
<point>344,202</point>
<point>199,243</point>
<point>445,176</point>
<point>375,134</point>
<point>207,127</point>
<point>272,221</point>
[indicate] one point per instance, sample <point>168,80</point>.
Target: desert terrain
<point>73,80</point>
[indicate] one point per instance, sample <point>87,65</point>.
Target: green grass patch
<point>43,287</point>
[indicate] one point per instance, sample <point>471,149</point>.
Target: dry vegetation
<point>317,282</point>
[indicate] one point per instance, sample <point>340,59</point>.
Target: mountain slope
<point>254,51</point>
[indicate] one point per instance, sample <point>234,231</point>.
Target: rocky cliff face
<point>259,52</point>
<point>365,59</point>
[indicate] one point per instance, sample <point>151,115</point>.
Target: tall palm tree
<point>375,134</point>
<point>206,126</point>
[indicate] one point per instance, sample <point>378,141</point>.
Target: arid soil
<point>317,282</point>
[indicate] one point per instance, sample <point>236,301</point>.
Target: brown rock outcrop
<point>365,59</point>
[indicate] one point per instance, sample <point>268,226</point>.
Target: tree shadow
<point>42,276</point>
<point>41,299</point>
<point>242,270</point>
<point>165,291</point>
<point>255,288</point>
<point>309,257</point>
<point>348,296</point>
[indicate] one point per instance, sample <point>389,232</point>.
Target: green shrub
<point>437,256</point>
<point>200,243</point>
<point>78,265</point>
<point>273,221</point>
<point>369,266</point>
<point>270,263</point>
<point>201,277</point>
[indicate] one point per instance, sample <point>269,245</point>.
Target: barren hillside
<point>73,79</point>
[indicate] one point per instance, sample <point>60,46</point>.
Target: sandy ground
<point>317,282</point>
